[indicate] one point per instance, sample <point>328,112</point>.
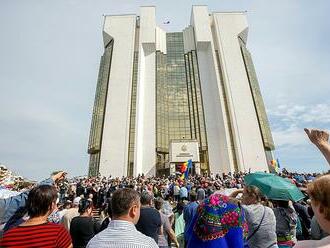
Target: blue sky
<point>49,58</point>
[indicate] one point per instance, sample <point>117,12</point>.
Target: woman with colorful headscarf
<point>219,222</point>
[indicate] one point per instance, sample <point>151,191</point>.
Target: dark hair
<point>40,200</point>
<point>179,207</point>
<point>122,200</point>
<point>193,196</point>
<point>282,204</point>
<point>146,198</point>
<point>159,203</point>
<point>67,204</point>
<point>84,204</point>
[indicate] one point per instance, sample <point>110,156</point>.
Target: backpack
<point>290,220</point>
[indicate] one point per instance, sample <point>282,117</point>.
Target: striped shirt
<point>43,235</point>
<point>121,234</point>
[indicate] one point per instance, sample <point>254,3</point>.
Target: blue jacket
<point>189,212</point>
<point>9,205</point>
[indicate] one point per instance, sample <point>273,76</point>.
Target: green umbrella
<point>274,187</point>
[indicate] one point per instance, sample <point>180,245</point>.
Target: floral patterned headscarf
<point>218,223</point>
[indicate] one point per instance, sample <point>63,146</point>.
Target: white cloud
<point>293,147</point>
<point>302,114</point>
<point>292,136</point>
<point>289,120</point>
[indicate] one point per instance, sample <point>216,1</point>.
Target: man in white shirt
<point>70,214</point>
<point>121,231</point>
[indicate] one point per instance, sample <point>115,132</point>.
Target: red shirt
<point>43,235</point>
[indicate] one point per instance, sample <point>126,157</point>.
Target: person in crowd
<point>205,231</point>
<point>189,211</point>
<point>83,227</point>
<point>36,231</point>
<point>167,208</point>
<point>260,219</point>
<point>70,214</point>
<point>304,219</point>
<point>66,206</point>
<point>121,232</point>
<point>100,196</point>
<point>62,189</point>
<point>80,189</point>
<point>317,232</point>
<point>319,192</point>
<point>155,190</point>
<point>91,197</point>
<point>179,223</point>
<point>176,191</point>
<point>183,193</point>
<point>91,192</point>
<point>54,217</point>
<point>165,232</point>
<point>286,224</point>
<point>200,195</point>
<point>19,217</point>
<point>14,212</point>
<point>107,219</point>
<point>149,222</point>
<point>8,206</point>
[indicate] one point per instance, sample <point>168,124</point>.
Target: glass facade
<point>176,89</point>
<point>95,137</point>
<point>179,106</point>
<point>258,102</point>
<point>162,123</point>
<point>131,144</point>
<point>195,103</point>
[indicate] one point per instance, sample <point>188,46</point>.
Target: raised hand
<point>58,176</point>
<point>321,139</point>
<point>316,136</point>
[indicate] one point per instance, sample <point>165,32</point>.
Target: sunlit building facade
<point>197,85</point>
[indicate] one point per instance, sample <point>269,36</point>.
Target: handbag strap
<point>256,230</point>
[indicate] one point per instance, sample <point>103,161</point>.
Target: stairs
<point>95,214</point>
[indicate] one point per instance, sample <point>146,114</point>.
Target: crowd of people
<point>199,211</point>
<point>11,181</point>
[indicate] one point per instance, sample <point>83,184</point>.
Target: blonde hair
<point>319,191</point>
<point>254,192</point>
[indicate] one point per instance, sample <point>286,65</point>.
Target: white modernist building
<point>158,89</point>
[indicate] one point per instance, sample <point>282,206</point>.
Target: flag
<point>185,169</point>
<point>278,163</point>
<point>189,164</point>
<point>274,165</point>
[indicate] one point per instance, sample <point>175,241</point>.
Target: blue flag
<point>278,163</point>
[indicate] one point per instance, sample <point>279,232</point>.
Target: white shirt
<point>121,234</point>
<point>323,243</point>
